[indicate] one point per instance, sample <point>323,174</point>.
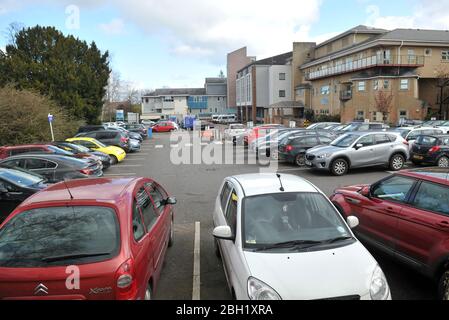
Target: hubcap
<point>443,162</point>
<point>340,167</point>
<point>300,161</point>
<point>398,163</point>
<point>148,294</point>
<point>446,286</point>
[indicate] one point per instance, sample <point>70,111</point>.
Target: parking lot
<point>191,269</point>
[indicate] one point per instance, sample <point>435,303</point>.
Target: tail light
<point>125,281</point>
<point>406,142</point>
<point>124,140</point>
<point>87,172</point>
<point>435,149</point>
<point>288,148</point>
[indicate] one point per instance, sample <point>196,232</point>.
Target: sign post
<point>50,121</point>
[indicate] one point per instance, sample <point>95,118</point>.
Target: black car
<point>91,128</point>
<point>80,150</point>
<point>294,149</point>
<point>54,168</point>
<point>129,134</point>
<point>16,186</point>
<point>110,138</point>
<point>433,150</point>
<point>137,128</point>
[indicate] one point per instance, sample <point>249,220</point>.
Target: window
<point>428,52</point>
<point>36,164</point>
<point>404,84</point>
<point>158,195</point>
<point>445,55</point>
<point>281,76</point>
<point>325,140</point>
<point>138,229</point>
<point>433,197</point>
<point>386,84</point>
<point>403,114</point>
<point>376,85</point>
<point>225,195</point>
<point>15,152</point>
<point>360,115</point>
<point>325,90</point>
<point>366,141</point>
<point>146,206</point>
<point>394,189</point>
<point>361,86</point>
<point>382,139</point>
<point>231,212</point>
<point>281,93</point>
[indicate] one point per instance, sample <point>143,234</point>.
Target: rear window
<point>427,141</point>
<point>59,236</point>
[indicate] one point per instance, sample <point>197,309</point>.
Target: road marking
<point>189,145</point>
<point>174,146</point>
<point>129,165</point>
<point>218,142</point>
<point>196,263</point>
<point>118,174</point>
<point>293,169</point>
<point>136,159</point>
<point>159,146</point>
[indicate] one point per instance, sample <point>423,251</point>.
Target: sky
<point>178,43</point>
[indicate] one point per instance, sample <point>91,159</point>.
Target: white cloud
<point>427,14</point>
<point>114,27</point>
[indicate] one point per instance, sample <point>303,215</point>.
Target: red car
<point>259,132</point>
<point>100,239</point>
<point>164,127</point>
<point>405,215</point>
<point>9,151</point>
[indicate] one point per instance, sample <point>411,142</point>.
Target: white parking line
<point>189,145</point>
<point>196,263</point>
<point>159,146</point>
<point>174,146</point>
<point>129,166</point>
<point>136,159</point>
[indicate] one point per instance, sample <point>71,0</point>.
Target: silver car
<point>358,150</point>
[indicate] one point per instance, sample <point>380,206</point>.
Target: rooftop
<point>359,29</point>
<point>177,92</point>
<point>281,59</point>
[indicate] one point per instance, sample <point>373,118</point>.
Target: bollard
<point>150,133</point>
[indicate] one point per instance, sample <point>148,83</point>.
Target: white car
<point>445,127</point>
<point>411,134</point>
<point>280,238</point>
<point>234,130</point>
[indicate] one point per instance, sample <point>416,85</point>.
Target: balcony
<point>367,63</point>
<point>345,95</point>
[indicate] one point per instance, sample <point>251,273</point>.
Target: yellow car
<point>117,154</point>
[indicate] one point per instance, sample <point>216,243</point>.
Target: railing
<point>370,62</point>
<point>345,95</point>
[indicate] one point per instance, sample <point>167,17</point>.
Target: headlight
<point>257,290</point>
<point>379,289</point>
<point>324,156</point>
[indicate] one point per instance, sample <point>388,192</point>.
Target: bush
<point>24,118</point>
<point>327,118</point>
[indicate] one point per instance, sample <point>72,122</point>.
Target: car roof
<point>268,183</point>
<point>26,146</point>
<point>101,189</point>
<point>438,175</point>
<point>45,156</point>
<point>82,139</point>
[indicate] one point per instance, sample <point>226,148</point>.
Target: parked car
<point>92,128</point>
<point>411,134</point>
<point>129,134</point>
<point>433,150</point>
<point>433,123</point>
<point>15,186</point>
<point>322,125</point>
<point>164,126</point>
<point>134,145</point>
<point>280,238</point>
<point>137,128</point>
<point>444,126</point>
<point>109,138</point>
<point>360,149</point>
<point>234,130</point>
<point>259,132</point>
<point>227,119</point>
<point>405,215</point>
<point>54,168</point>
<point>116,231</point>
<point>148,123</point>
<point>76,149</point>
<point>264,145</point>
<point>117,154</point>
<point>362,126</point>
<point>295,148</point>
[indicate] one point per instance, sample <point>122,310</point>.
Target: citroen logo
<point>41,290</point>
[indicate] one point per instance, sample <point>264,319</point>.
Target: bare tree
<point>11,32</point>
<point>442,84</point>
<point>114,87</point>
<point>383,103</point>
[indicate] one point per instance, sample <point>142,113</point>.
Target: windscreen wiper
<point>288,244</point>
<point>338,239</point>
<point>74,256</point>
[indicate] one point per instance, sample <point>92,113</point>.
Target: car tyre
<point>148,293</point>
<point>171,239</point>
<point>339,167</point>
<point>397,162</point>
<point>443,286</point>
<point>443,162</point>
<point>300,160</point>
<point>114,159</point>
<point>416,163</point>
<point>217,249</point>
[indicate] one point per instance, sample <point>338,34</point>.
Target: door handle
<point>443,224</point>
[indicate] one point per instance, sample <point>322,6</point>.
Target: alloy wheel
<point>443,162</point>
<point>300,160</point>
<point>340,167</point>
<point>398,162</point>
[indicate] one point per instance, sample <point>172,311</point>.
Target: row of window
<point>362,86</point>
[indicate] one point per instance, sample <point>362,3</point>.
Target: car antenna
<point>68,190</point>
<point>282,187</point>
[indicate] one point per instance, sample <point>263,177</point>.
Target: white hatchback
<point>280,237</point>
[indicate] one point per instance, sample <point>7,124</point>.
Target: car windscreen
<point>351,127</point>
<point>345,141</point>
<point>59,236</point>
<point>20,178</point>
<point>426,141</point>
<point>277,218</point>
<point>60,151</point>
<point>78,148</point>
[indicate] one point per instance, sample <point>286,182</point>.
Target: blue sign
<point>50,118</point>
<point>120,115</point>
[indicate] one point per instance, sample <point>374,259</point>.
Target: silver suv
<point>360,149</point>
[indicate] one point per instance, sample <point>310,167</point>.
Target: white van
<point>215,118</point>
<point>225,119</point>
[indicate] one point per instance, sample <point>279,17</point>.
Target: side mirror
<point>358,146</point>
<point>353,222</point>
<point>3,189</point>
<point>223,233</point>
<point>171,201</point>
<point>366,191</point>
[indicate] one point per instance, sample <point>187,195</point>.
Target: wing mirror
<point>223,233</point>
<point>353,222</point>
<point>358,146</point>
<point>171,201</point>
<point>366,191</point>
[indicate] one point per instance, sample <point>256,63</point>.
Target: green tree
<point>64,68</point>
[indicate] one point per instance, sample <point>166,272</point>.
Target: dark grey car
<point>109,138</point>
<point>54,168</point>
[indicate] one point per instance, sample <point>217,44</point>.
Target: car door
<point>379,214</point>
<point>159,197</point>
<point>364,156</point>
<point>423,226</point>
<point>382,148</point>
<point>42,167</point>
